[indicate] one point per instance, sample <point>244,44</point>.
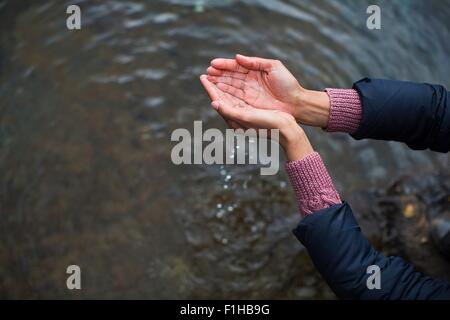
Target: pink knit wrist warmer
<point>345,110</point>
<point>312,184</point>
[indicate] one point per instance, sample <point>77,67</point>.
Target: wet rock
<point>409,218</point>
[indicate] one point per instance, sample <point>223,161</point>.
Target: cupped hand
<point>243,115</point>
<point>267,84</point>
<point>261,83</point>
<point>240,115</point>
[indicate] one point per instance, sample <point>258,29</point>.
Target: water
<point>85,124</point>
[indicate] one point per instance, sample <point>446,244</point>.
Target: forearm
<point>312,108</point>
<point>295,142</point>
<point>313,187</point>
<point>335,110</point>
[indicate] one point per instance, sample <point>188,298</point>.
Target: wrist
<point>295,142</point>
<point>312,108</point>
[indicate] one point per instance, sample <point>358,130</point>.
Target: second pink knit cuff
<point>345,111</point>
<point>312,184</point>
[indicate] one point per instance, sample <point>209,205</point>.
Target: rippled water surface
<point>85,124</point>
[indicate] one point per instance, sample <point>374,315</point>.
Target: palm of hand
<point>274,89</point>
<point>248,116</point>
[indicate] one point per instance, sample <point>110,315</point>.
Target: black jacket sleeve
<point>342,255</point>
<point>417,114</point>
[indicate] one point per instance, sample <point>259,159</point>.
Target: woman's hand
<point>241,115</point>
<point>268,84</point>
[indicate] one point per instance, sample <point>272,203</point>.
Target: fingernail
<point>215,105</point>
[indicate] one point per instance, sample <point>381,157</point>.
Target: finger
<point>255,63</point>
<point>232,86</point>
<point>214,93</point>
<point>230,123</point>
<point>239,125</point>
<point>209,87</point>
<point>229,65</point>
<point>236,126</point>
<point>229,111</point>
<point>238,93</point>
<point>237,83</point>
<point>231,99</point>
<point>233,124</point>
<point>211,71</point>
<point>226,97</point>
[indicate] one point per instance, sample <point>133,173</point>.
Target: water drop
<point>220,214</point>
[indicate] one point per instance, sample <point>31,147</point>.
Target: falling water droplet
<point>220,214</point>
<point>199,6</point>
